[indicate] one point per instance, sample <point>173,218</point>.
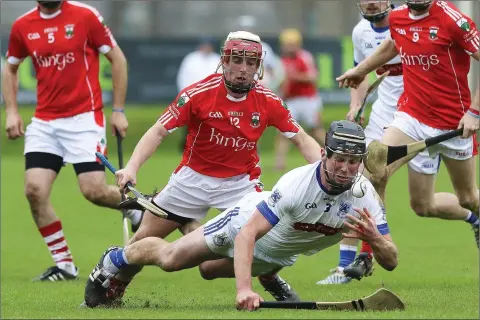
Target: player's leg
<point>93,185</point>
<point>457,154</point>
<point>463,176</point>
<point>43,161</point>
<point>187,252</point>
<point>181,202</point>
<point>81,136</point>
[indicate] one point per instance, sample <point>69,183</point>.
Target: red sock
<point>53,236</point>
<point>367,248</point>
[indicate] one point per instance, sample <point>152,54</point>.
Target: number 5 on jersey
<point>51,37</point>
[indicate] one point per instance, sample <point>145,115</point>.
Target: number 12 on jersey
<point>235,121</point>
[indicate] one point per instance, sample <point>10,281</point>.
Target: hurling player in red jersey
<point>64,40</point>
<point>299,91</point>
<point>434,40</point>
<point>225,114</point>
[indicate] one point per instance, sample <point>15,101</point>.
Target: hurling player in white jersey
<point>310,208</point>
<point>367,36</point>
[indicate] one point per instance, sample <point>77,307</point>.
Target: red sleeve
<point>178,112</point>
<point>462,29</point>
<point>280,118</point>
<point>99,34</point>
<point>17,51</point>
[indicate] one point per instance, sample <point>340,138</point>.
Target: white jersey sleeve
<point>284,199</point>
<point>358,55</point>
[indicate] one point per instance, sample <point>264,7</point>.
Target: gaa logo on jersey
<point>255,120</point>
<point>69,31</point>
<point>433,33</point>
<point>463,24</point>
<point>184,98</point>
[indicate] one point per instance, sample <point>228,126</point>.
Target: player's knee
<point>469,201</point>
<point>205,272</point>
<point>421,209</point>
<point>35,193</point>
<point>93,193</point>
<point>169,259</point>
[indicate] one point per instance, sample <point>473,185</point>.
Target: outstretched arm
<point>308,147</point>
<point>255,228</point>
<point>385,52</point>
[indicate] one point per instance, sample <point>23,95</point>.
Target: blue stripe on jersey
<point>267,213</point>
<point>383,229</point>
<point>220,223</point>
<point>379,29</point>
<point>355,63</point>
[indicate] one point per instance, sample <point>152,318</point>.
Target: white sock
<point>134,216</point>
<point>69,267</point>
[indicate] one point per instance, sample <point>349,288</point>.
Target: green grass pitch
<point>437,276</point>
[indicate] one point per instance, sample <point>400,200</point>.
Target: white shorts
<point>75,139</point>
<point>381,117</point>
<point>428,161</point>
<point>191,194</point>
<point>220,233</point>
<point>305,110</point>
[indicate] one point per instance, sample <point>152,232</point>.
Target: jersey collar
<point>49,16</point>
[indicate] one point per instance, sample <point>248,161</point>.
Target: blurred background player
<point>299,91</point>
<point>256,236</point>
<point>226,114</point>
<point>69,124</point>
<point>195,66</point>
<point>435,41</point>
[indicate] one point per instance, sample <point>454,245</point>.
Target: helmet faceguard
<point>345,140</point>
<point>418,5</point>
<point>242,61</point>
<point>374,10</point>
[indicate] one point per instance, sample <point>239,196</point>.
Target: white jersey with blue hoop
<point>304,216</point>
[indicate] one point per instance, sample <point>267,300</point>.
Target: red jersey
<point>64,48</point>
<point>435,50</point>
<point>302,62</point>
<point>223,131</point>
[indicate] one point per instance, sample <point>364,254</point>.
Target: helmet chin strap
<point>237,88</point>
<point>336,187</point>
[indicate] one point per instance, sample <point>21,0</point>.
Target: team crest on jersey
<point>433,33</point>
<point>184,98</point>
<point>463,24</point>
<point>274,198</point>
<point>344,209</point>
<point>255,120</point>
<point>69,31</point>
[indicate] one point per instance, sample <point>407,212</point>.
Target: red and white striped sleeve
<point>461,28</point>
<point>17,51</point>
<point>278,114</point>
<point>177,113</point>
<point>99,34</point>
